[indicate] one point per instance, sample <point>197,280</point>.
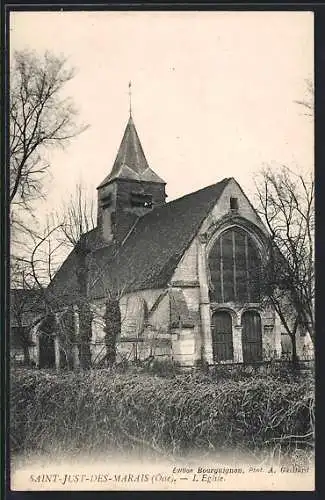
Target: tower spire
<point>130,99</point>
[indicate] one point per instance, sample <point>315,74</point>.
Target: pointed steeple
<point>130,162</point>
<point>130,191</point>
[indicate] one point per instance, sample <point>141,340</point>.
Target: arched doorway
<point>222,336</point>
<point>252,337</point>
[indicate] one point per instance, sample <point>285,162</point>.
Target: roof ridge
<point>171,202</point>
<point>152,249</point>
<point>176,257</point>
<point>168,204</point>
<point>226,179</point>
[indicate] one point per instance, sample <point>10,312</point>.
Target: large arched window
<point>234,263</point>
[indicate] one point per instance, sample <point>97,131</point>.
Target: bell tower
<point>131,189</point>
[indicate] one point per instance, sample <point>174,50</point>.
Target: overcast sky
<point>213,92</point>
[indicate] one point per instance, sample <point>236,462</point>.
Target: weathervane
<point>130,98</point>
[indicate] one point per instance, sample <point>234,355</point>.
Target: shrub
<point>102,409</point>
<point>163,367</point>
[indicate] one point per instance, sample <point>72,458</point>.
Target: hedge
<point>101,410</point>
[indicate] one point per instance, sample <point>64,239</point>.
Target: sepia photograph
<point>162,287</point>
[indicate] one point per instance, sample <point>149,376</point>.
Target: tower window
<point>233,203</point>
<point>106,201</point>
<point>141,200</point>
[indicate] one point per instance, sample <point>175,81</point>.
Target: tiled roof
<point>130,162</point>
<point>149,255</point>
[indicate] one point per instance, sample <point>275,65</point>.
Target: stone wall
<point>191,276</point>
<point>193,269</point>
<point>184,346</point>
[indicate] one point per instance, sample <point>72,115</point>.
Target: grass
<point>169,416</point>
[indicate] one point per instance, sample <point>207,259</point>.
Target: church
<point>186,272</point>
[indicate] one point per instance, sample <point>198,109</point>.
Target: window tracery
<point>235,266</point>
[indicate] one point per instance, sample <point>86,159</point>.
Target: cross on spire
<point>130,99</point>
<point>130,162</point>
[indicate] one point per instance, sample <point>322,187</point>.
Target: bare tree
<point>29,277</point>
<point>25,305</point>
<point>39,269</point>
<point>40,118</point>
<point>114,289</point>
<point>66,230</point>
<point>308,102</point>
<point>112,317</point>
<point>72,229</point>
<point>286,204</point>
<point>77,219</point>
<point>77,216</point>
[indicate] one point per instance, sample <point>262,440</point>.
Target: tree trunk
<point>66,358</point>
<point>70,361</point>
<point>85,314</point>
<point>85,334</point>
<point>112,329</point>
<point>24,342</point>
<point>294,357</point>
<point>67,332</point>
<point>293,336</point>
<point>26,354</point>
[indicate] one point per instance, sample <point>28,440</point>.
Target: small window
<point>233,203</point>
<point>106,201</point>
<point>141,200</point>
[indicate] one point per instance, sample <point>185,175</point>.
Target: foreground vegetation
<point>172,416</point>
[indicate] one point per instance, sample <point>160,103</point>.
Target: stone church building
<point>186,272</point>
